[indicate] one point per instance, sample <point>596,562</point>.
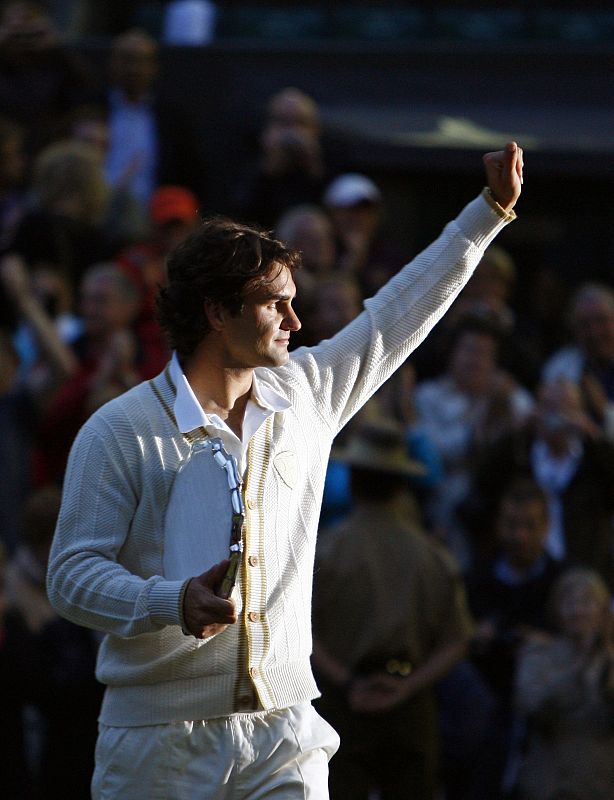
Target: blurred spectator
<point>390,620</point>
<point>12,176</point>
<point>335,301</point>
<point>125,221</point>
<point>565,693</point>
<point>41,336</point>
<point>151,142</point>
<point>63,230</point>
<point>173,215</point>
<point>16,675</point>
<point>308,229</point>
<point>508,593</point>
<point>355,205</point>
<point>62,690</point>
<point>561,449</point>
<point>396,401</point>
<point>16,424</point>
<point>24,388</point>
<point>40,81</point>
<point>508,596</point>
<point>393,401</point>
<point>291,168</point>
<point>488,294</point>
<point>463,411</point>
<point>490,288</point>
<point>111,360</point>
<point>589,361</point>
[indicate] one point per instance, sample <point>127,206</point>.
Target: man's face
<point>260,334</point>
<point>522,528</point>
<point>594,327</point>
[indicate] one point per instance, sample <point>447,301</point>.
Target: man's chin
<point>278,357</point>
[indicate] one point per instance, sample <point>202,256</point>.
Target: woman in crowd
<point>565,694</point>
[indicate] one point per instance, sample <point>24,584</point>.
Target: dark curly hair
<point>219,263</point>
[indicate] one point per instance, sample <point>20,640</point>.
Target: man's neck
<point>220,391</point>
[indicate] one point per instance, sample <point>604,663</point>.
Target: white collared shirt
<point>190,415</point>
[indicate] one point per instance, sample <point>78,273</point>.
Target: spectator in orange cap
<point>173,214</point>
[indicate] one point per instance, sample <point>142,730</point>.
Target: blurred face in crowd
<point>134,64</point>
<point>487,288</point>
<point>290,138</point>
<point>312,235</point>
<point>582,612</point>
<point>522,527</point>
<point>292,114</point>
<point>106,306</point>
<point>94,132</point>
<point>361,219</point>
<point>593,321</point>
<point>559,404</point>
<point>336,303</point>
<point>474,361</point>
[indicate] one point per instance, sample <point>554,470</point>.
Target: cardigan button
<point>253,672</point>
<point>253,616</point>
<point>251,503</point>
<point>253,561</point>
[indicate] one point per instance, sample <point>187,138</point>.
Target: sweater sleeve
<point>343,372</point>
<point>85,582</point>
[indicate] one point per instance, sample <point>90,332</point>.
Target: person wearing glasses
<point>205,601</point>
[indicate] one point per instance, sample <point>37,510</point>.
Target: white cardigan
<point>106,564</point>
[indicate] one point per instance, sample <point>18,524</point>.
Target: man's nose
<point>291,322</point>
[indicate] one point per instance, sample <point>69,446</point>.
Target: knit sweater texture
<point>106,568</point>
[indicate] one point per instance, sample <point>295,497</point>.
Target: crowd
<point>462,624</point>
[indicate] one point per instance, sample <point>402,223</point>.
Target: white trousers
<point>266,754</point>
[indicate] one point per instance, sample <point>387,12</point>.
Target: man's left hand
<point>504,174</point>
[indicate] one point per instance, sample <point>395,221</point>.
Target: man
<point>508,596</point>
<point>468,406</point>
<point>356,207</point>
<point>508,593</point>
<point>389,619</point>
<point>589,361</point>
<point>225,710</point>
<point>562,449</point>
<point>291,167</point>
<point>150,141</point>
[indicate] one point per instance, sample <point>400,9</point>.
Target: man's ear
<point>216,315</point>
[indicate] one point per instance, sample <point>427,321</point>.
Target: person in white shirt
<point>219,461</point>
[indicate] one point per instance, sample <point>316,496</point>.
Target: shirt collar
<point>190,414</point>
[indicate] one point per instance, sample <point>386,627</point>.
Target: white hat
<point>351,189</point>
